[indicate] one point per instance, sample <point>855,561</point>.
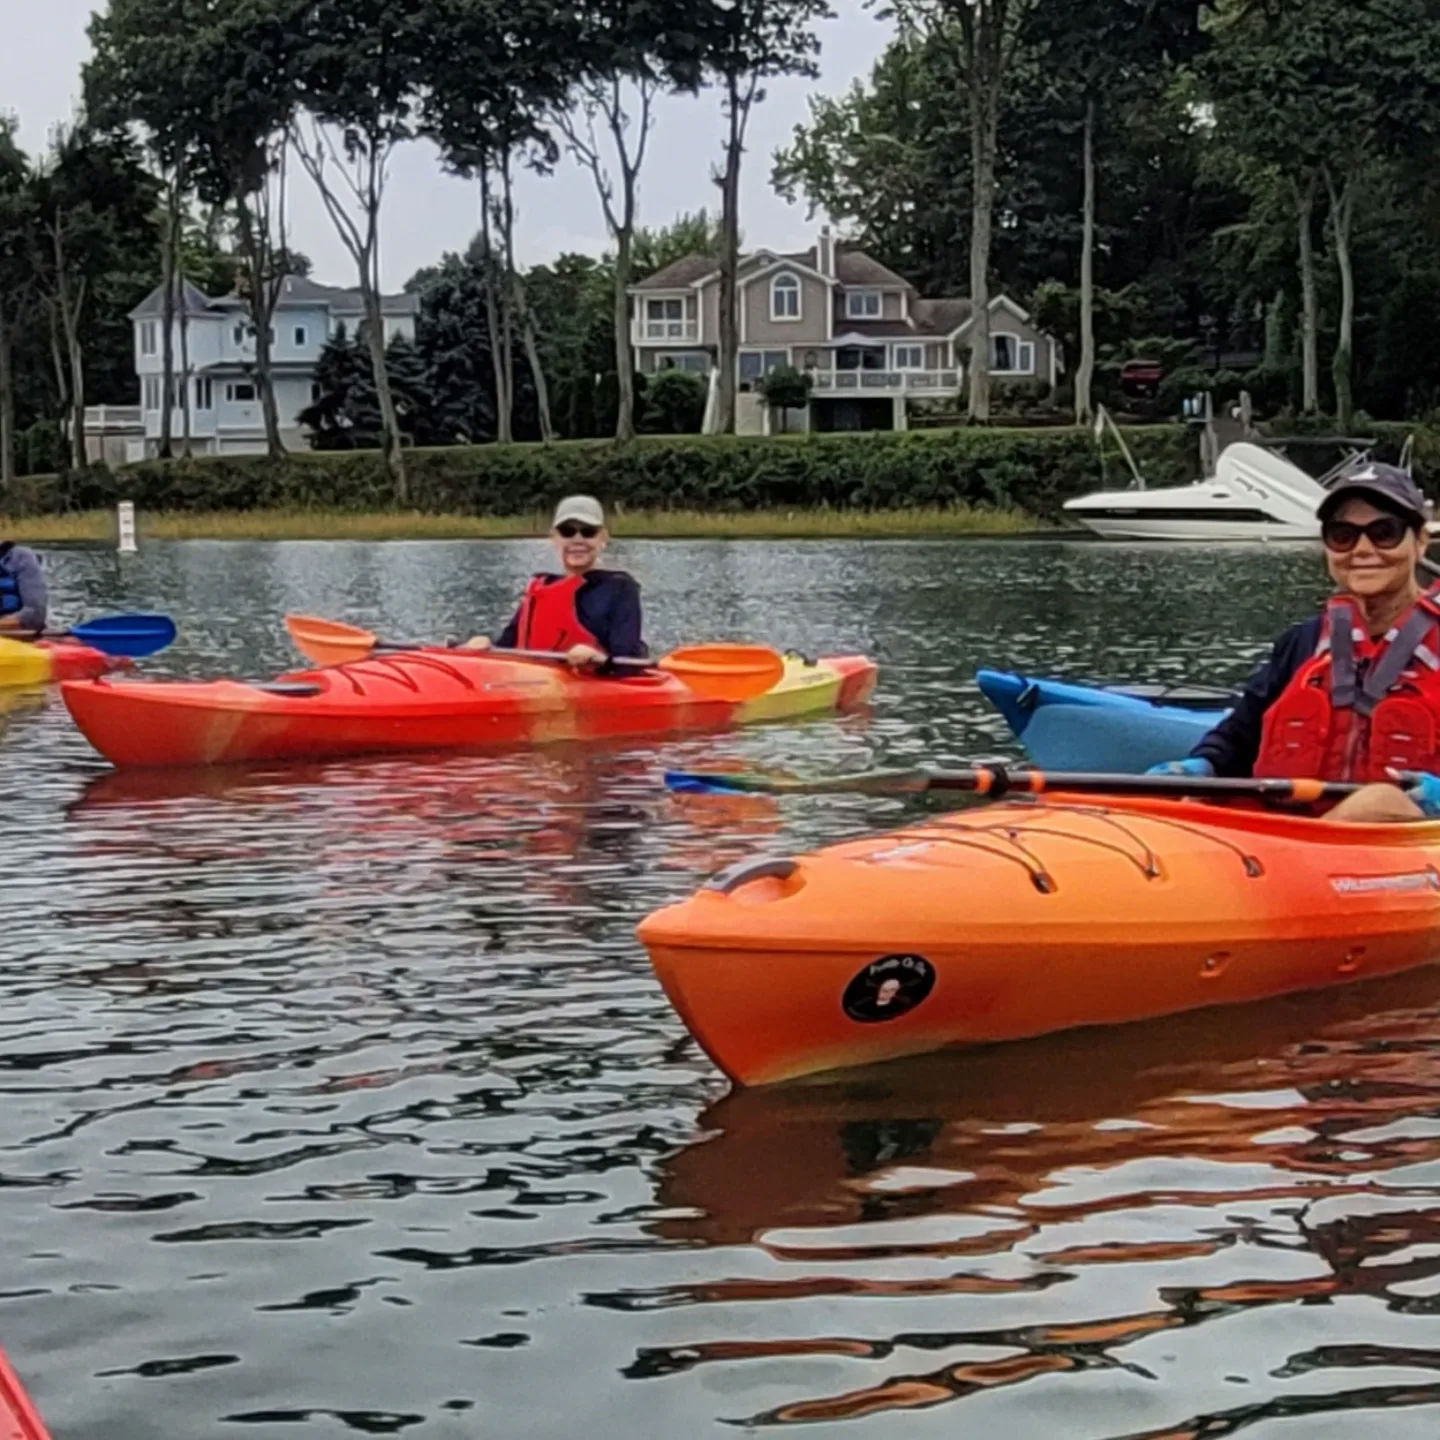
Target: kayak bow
<point>1024,917</point>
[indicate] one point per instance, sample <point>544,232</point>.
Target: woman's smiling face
<point>1369,570</point>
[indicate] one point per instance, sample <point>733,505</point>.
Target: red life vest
<point>1360,706</point>
<point>548,617</point>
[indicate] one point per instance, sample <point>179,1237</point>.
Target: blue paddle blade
<point>134,636</point>
<point>683,782</point>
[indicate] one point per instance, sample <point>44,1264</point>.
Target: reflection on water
<point>340,1099</point>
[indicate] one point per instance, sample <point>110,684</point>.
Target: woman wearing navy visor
<point>1352,695</point>
<point>586,613</point>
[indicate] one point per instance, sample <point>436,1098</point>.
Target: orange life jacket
<point>1359,706</point>
<point>548,617</point>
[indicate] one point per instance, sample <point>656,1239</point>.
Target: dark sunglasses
<point>571,528</point>
<point>1384,533</point>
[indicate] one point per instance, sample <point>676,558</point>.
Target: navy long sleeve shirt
<point>1233,745</point>
<point>608,606</point>
<point>22,569</point>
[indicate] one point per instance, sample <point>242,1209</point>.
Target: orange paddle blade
<point>726,672</point>
<point>328,642</point>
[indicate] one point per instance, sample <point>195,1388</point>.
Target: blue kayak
<point>1084,727</point>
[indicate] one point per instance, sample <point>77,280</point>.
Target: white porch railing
<point>902,381</point>
<point>670,330</point>
<point>99,418</point>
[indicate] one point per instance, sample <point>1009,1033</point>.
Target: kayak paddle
<point>134,636</point>
<point>716,672</point>
<point>995,781</point>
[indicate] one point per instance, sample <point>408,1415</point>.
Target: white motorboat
<point>1254,494</point>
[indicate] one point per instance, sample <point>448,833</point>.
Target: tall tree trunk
<point>495,302</point>
<point>254,250</point>
<point>70,297</point>
<point>389,421</point>
<point>1342,216</point>
<point>1309,304</point>
<point>1085,375</point>
<point>167,321</point>
<point>730,258</point>
<point>506,218</point>
<point>624,362</point>
<point>518,312</point>
<point>186,386</point>
<point>76,357</point>
<point>57,360</point>
<point>7,406</point>
<point>984,124</point>
<point>532,355</point>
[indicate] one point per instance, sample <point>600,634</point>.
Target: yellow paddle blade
<point>22,664</point>
<point>328,642</point>
<point>726,672</point>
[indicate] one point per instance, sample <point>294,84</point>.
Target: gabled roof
<point>852,267</point>
<point>855,267</point>
<point>940,317</point>
<point>153,305</point>
<point>294,290</point>
<point>301,290</point>
<point>680,275</point>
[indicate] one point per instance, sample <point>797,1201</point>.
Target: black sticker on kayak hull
<point>888,988</point>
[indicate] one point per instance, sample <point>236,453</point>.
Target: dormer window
<point>785,297</point>
<point>862,304</point>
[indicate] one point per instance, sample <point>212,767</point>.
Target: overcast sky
<point>426,212</point>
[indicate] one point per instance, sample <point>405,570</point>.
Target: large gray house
<point>869,341</point>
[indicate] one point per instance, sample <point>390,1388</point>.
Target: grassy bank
<point>306,524</point>
<point>1005,468</point>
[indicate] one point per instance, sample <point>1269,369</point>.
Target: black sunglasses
<point>1384,533</point>
<point>569,529</point>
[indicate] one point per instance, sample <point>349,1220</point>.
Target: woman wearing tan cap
<point>585,612</point>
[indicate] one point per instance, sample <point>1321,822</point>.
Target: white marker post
<point>125,515</point>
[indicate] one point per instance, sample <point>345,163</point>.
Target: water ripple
<point>341,1099</point>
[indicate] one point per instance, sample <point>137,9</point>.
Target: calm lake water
<point>341,1100</point>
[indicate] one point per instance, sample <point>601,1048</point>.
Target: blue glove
<point>1194,766</point>
<point>1426,794</point>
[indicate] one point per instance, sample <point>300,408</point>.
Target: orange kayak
<point>1021,918</point>
<point>19,1419</point>
<point>425,700</point>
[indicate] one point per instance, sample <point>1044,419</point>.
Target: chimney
<point>825,253</point>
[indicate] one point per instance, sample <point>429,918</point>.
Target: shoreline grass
<point>916,523</point>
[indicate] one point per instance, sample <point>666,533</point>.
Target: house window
<point>665,320</point>
<point>204,394</point>
<point>862,304</point>
<point>239,332</point>
<point>695,364</point>
<point>909,357</point>
<point>147,338</point>
<point>152,392</point>
<point>240,392</point>
<point>785,298</point>
<point>755,363</point>
<point>1010,355</point>
<point>860,357</point>
<point>301,337</point>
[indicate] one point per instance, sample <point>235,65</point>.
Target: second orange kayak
<point>1015,919</point>
<point>426,700</point>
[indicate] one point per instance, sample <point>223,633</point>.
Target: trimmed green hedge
<point>1033,469</point>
